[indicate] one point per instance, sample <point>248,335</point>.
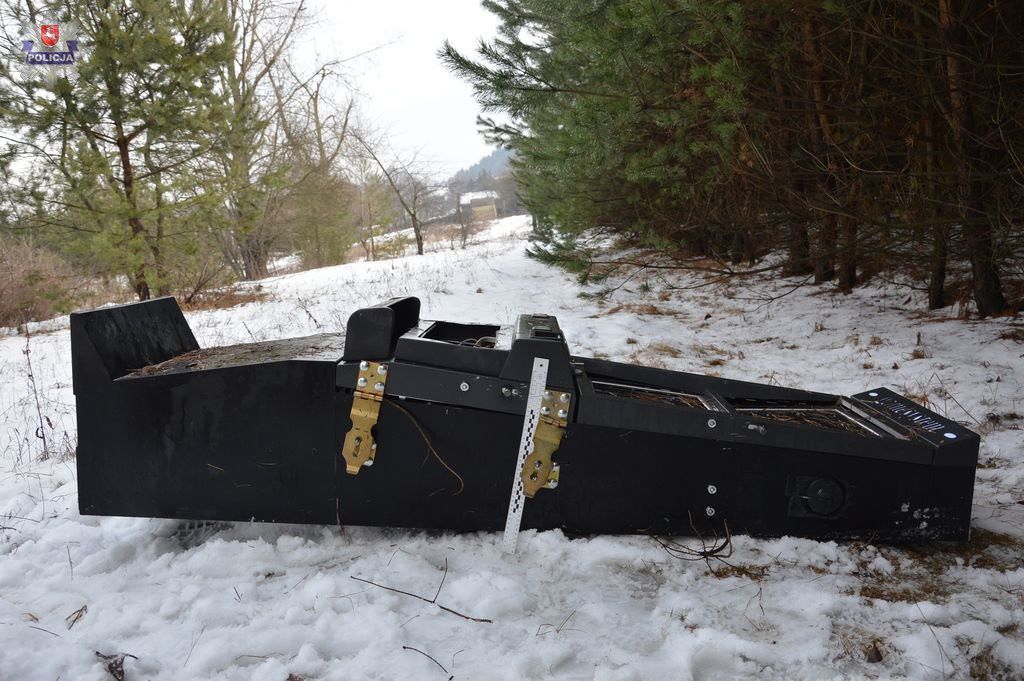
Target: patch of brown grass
<point>637,309</point>
<point>1015,334</point>
<point>665,349</point>
<point>928,579</point>
<point>221,299</point>
<point>37,283</point>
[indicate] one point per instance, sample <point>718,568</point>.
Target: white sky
<point>402,88</point>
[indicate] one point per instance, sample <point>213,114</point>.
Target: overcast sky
<point>402,87</point>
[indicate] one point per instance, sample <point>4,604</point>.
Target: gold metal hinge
<point>360,447</point>
<point>539,471</point>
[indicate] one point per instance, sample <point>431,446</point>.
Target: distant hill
<point>494,164</point>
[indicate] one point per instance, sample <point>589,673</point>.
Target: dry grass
<point>665,349</point>
<point>37,284</point>
<point>928,578</point>
<point>641,309</point>
<point>219,299</point>
<point>1015,334</point>
<point>920,353</point>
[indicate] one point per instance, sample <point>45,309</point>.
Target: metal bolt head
<point>361,382</point>
<point>547,395</point>
<point>538,463</point>
<point>712,423</point>
<point>368,462</point>
<point>373,446</point>
<point>545,410</point>
<point>464,387</point>
<point>562,413</point>
<point>382,369</point>
<point>506,391</point>
<point>709,511</point>
<point>712,489</point>
<point>533,476</point>
<point>564,397</point>
<point>378,386</point>
<point>364,365</point>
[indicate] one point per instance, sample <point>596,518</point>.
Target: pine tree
<point>121,144</point>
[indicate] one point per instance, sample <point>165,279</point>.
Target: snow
<point>249,601</point>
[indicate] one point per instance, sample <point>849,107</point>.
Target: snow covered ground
<point>279,602</point>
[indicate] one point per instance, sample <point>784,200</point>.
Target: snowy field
<point>279,602</point>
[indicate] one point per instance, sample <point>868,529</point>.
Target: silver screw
<point>464,387</point>
<point>545,411</point>
<point>364,365</point>
<point>378,386</point>
<point>373,446</point>
<point>562,413</point>
<point>712,489</point>
<point>712,423</point>
<point>361,382</point>
<point>537,464</point>
<point>564,397</point>
<point>382,369</point>
<point>547,395</point>
<point>368,462</point>
<point>506,391</point>
<point>709,511</point>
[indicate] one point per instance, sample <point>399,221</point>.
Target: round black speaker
<point>824,496</point>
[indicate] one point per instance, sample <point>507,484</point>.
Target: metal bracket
<point>359,447</point>
<point>539,472</point>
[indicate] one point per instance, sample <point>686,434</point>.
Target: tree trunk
<point>978,232</point>
<point>799,260</point>
<point>937,275</point>
<point>254,257</point>
<point>416,231</point>
<point>825,257</point>
<point>135,225</point>
<point>847,254</point>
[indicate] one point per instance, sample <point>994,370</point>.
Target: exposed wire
<point>481,342</point>
<point>426,440</point>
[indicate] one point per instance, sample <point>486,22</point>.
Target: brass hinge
<point>539,471</point>
<point>359,447</point>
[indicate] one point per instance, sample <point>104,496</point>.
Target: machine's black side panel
<point>408,487</point>
<point>252,442</point>
<point>626,481</point>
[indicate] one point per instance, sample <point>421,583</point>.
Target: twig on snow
<point>431,658</point>
<point>432,601</point>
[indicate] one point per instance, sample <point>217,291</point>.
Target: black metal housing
<point>254,432</point>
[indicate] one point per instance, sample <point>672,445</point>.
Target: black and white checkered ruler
<point>514,519</point>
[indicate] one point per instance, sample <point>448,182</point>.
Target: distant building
<point>479,206</point>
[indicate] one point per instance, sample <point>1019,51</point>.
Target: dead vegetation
<point>925,577</point>
<point>1015,334</point>
<point>223,298</point>
<point>37,284</point>
<point>640,309</point>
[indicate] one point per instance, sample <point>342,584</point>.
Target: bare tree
<point>262,32</point>
<point>411,184</point>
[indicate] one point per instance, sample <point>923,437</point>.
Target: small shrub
<point>35,283</point>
